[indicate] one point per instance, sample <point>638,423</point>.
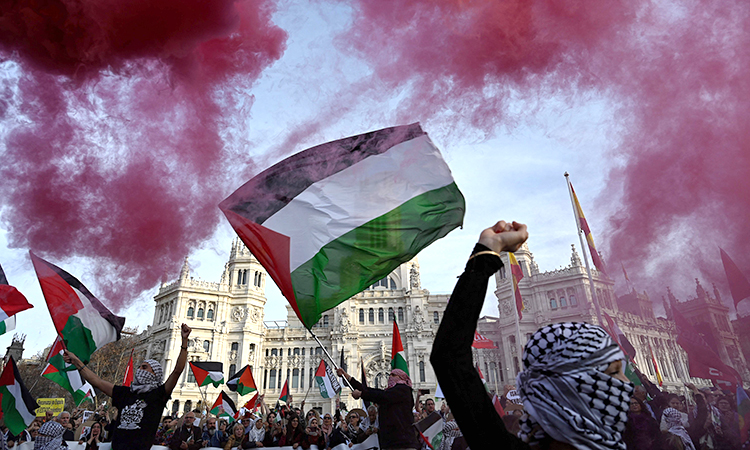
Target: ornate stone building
<point>228,326</point>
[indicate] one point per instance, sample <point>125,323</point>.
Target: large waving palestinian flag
<point>81,320</point>
<point>64,374</point>
<point>224,407</point>
<point>333,219</point>
<point>16,402</point>
<point>327,383</point>
<point>243,382</point>
<point>11,301</point>
<point>208,373</point>
<point>398,355</point>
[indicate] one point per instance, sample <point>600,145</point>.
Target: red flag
<point>738,284</point>
<point>284,396</point>
<point>498,406</point>
<point>517,274</point>
<point>251,404</point>
<point>618,336</point>
<point>656,367</point>
<point>481,341</point>
<point>583,225</point>
<point>128,379</point>
<point>11,301</point>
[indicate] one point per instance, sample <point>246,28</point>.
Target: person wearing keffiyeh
<point>676,430</point>
<point>49,436</point>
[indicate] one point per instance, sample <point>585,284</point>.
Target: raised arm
<point>88,374</point>
<point>181,360</point>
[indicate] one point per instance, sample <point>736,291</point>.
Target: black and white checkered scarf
<point>565,392</point>
<point>145,381</point>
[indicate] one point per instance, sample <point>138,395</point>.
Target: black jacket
<point>395,407</point>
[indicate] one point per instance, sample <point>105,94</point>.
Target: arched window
<point>436,317</point>
<point>210,314</point>
<point>553,303</point>
<point>302,378</point>
<point>401,314</point>
<point>190,377</point>
<point>573,300</point>
<point>391,283</point>
<point>563,303</point>
<point>371,315</point>
<point>175,408</point>
<point>361,315</point>
<point>295,351</point>
<point>200,313</point>
<point>288,352</point>
<point>206,346</point>
<point>265,379</point>
<point>274,352</point>
<point>390,315</point>
<point>288,374</point>
<point>232,370</point>
<point>236,346</point>
<point>295,379</point>
<point>325,321</point>
<point>421,371</point>
<point>272,379</point>
<point>381,315</point>
<point>190,313</point>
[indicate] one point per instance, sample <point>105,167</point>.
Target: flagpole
<point>307,393</point>
<point>205,402</point>
<point>329,356</point>
<point>583,250</point>
<point>518,324</point>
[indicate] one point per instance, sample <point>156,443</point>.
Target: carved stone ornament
<point>233,355</point>
<point>418,319</point>
<point>344,322</point>
<point>507,310</point>
<point>379,367</point>
<point>238,314</point>
<point>414,277</point>
<point>254,314</point>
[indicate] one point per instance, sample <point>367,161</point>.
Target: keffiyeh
<point>398,376</point>
<point>49,436</point>
<point>565,392</point>
<point>673,418</point>
<point>144,381</point>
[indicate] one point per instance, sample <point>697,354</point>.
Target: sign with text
<point>56,405</point>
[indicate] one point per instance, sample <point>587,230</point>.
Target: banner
<point>56,405</point>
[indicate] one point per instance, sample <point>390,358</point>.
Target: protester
<point>187,436</point>
<point>314,433</point>
<point>140,405</point>
<point>93,438</point>
<point>165,431</point>
<point>273,431</point>
<point>257,432</point>
<point>294,434</point>
<point>395,409</point>
<point>213,437</point>
<point>674,402</point>
<point>64,419</point>
<point>327,429</point>
<point>348,432</point>
<point>50,436</point>
<point>237,438</point>
<point>730,425</point>
<point>641,394</point>
<point>677,437</point>
<point>450,432</point>
<point>24,436</point>
<point>370,424</point>
<point>641,431</point>
<point>429,407</point>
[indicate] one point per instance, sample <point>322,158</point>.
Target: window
<point>553,303</point>
<point>303,351</point>
<point>421,371</point>
<point>391,283</point>
<point>295,351</point>
<point>361,315</point>
<point>436,317</point>
<point>252,349</point>
<point>573,300</point>
<point>206,346</point>
<point>232,370</point>
<point>401,314</point>
<point>272,381</point>
<point>390,315</point>
<point>200,313</point>
<point>385,283</point>
<point>265,379</point>
<point>236,346</point>
<point>210,314</point>
<point>371,316</point>
<point>295,378</point>
<point>381,315</point>
<point>302,378</point>
<point>257,279</point>
<point>288,352</point>
<point>274,352</point>
<point>188,406</point>
<point>175,408</point>
<point>190,313</point>
<point>325,321</point>
<point>563,303</point>
<point>288,373</point>
<point>190,376</point>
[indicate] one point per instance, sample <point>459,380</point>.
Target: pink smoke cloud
<point>115,151</point>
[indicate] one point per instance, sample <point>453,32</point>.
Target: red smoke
<point>115,149</point>
<point>677,73</point>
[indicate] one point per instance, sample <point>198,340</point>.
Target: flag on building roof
<point>398,356</point>
<point>327,383</point>
<point>64,374</point>
<point>82,321</point>
<point>743,410</point>
<point>12,302</point>
<point>329,221</point>
<point>16,403</point>
<point>224,407</point>
<point>738,284</point>
<point>8,324</point>
<point>482,342</point>
<point>430,430</point>
<point>243,382</point>
<point>583,225</point>
<point>618,336</point>
<point>208,373</point>
<point>656,366</point>
<point>127,380</point>
<point>516,276</point>
<point>284,396</point>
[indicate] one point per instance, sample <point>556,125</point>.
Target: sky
<point>120,139</point>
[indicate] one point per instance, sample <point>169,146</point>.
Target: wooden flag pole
<point>205,402</point>
<point>329,357</point>
<point>308,392</point>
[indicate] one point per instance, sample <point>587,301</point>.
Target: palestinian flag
<point>224,407</point>
<point>398,356</point>
<point>326,380</point>
<point>82,321</point>
<point>481,376</point>
<point>8,324</point>
<point>630,373</point>
<point>11,301</point>
<point>127,380</point>
<point>284,396</point>
<point>208,373</point>
<point>252,404</point>
<point>330,221</point>
<point>16,402</point>
<point>498,405</point>
<point>243,382</point>
<point>64,374</point>
<point>431,430</point>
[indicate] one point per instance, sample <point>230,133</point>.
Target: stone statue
<point>414,277</point>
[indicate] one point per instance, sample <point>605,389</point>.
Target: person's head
<point>166,420</point>
<point>724,404</point>
<point>211,423</point>
<point>48,415</point>
<point>258,423</point>
<point>294,421</point>
<point>313,422</point>
<point>246,422</point>
<point>429,405</point>
<point>188,419</point>
<point>353,419</point>
<point>672,417</point>
<point>238,431</point>
<point>398,376</point>
<point>640,393</point>
<point>271,418</point>
<point>147,376</point>
<point>222,425</point>
<point>636,406</point>
<point>567,366</point>
<point>327,420</point>
<point>372,413</point>
<point>711,397</point>
<point>64,418</point>
<point>673,401</point>
<point>96,429</point>
<point>417,417</point>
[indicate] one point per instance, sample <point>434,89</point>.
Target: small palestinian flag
<point>224,407</point>
<point>8,324</point>
<point>431,430</point>
<point>64,374</point>
<point>398,356</point>
<point>331,220</point>
<point>16,402</point>
<point>243,382</point>
<point>82,321</point>
<point>481,376</point>
<point>252,404</point>
<point>127,380</point>
<point>208,373</point>
<point>11,301</point>
<point>327,382</point>
<point>284,396</point>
